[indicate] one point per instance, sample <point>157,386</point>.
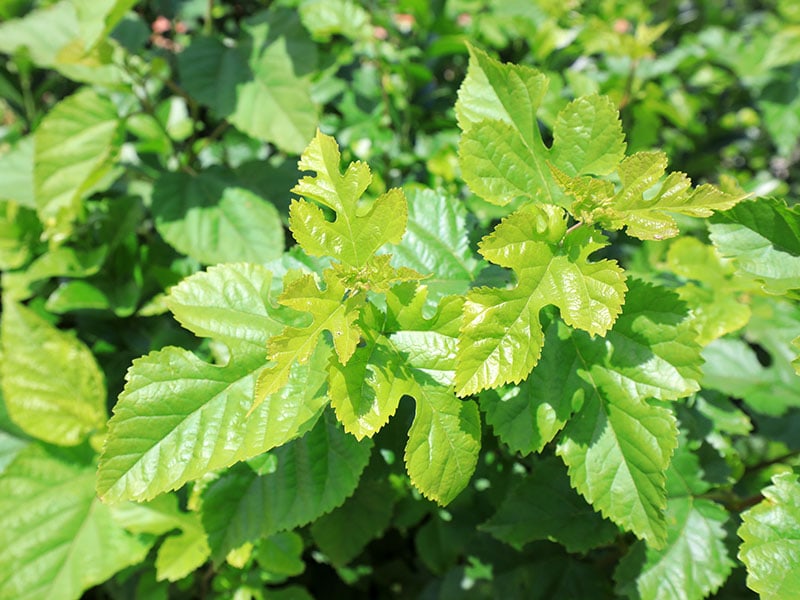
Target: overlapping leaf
<point>180,417</point>
<point>56,538</point>
<point>695,561</point>
<point>209,217</point>
<point>330,310</point>
<point>436,243</point>
<point>443,443</point>
<point>52,385</point>
<point>501,152</point>
<point>763,239</point>
<point>771,536</point>
<point>619,444</point>
<point>544,506</point>
<point>312,476</point>
<point>711,291</point>
<point>501,334</point>
<point>643,202</point>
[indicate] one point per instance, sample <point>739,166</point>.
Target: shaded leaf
<point>543,506</point>
<point>313,475</point>
<point>345,532</point>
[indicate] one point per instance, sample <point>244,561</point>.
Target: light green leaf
<point>325,18</point>
<point>179,417</point>
<point>357,232</point>
<point>543,506</point>
<point>342,534</point>
<point>314,475</point>
<point>501,335</point>
<point>281,555</point>
<point>183,553</point>
<point>770,532</point>
<point>208,217</point>
<point>501,151</point>
<point>16,173</point>
<point>231,303</point>
<point>76,43</point>
<point>693,563</point>
<point>179,554</point>
<point>732,366</point>
<point>763,239</point>
<point>75,146</point>
<point>56,538</point>
<point>52,385</point>
<point>642,204</point>
<point>366,392</point>
<point>713,294</point>
<point>20,232</point>
<point>528,416</point>
<point>443,443</point>
<point>618,445</point>
<point>436,243</point>
<point>330,310</point>
<point>276,105</point>
<point>426,344</point>
<point>617,450</point>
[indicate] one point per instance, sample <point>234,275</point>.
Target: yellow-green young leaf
<point>357,231</point>
<point>75,147</point>
<point>325,18</point>
<point>56,538</point>
<point>501,152</point>
<point>312,476</point>
<point>443,443</point>
<point>330,310</point>
<point>711,290</point>
<point>52,386</point>
<point>180,417</point>
<point>428,345</point>
<point>643,202</point>
<point>365,393</point>
<point>501,335</point>
<point>770,533</point>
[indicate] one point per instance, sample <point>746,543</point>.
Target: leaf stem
<point>208,23</point>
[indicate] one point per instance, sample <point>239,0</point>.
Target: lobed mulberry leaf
<point>501,334</point>
<point>357,230</point>
<point>501,152</point>
<point>331,309</point>
<point>642,205</point>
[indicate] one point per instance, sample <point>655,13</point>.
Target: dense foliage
<point>451,299</point>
